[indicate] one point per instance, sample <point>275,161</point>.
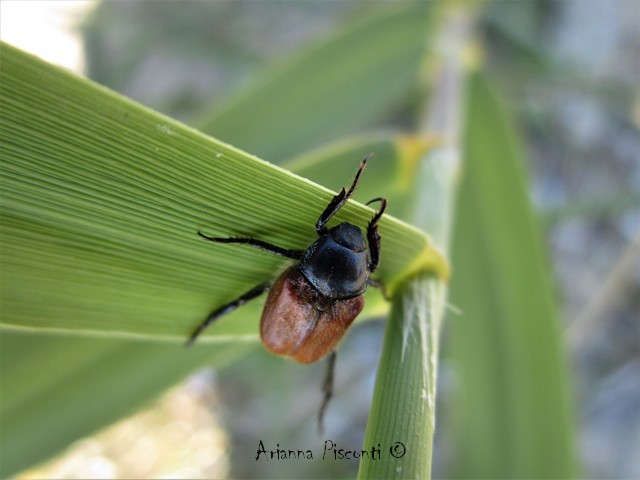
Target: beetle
<point>311,304</point>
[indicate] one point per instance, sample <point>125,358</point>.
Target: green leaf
<point>102,199</point>
<point>332,89</point>
<point>56,389</point>
<point>512,412</point>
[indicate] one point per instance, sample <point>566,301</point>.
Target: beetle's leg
<point>228,308</point>
<point>327,389</point>
<point>339,200</point>
<point>372,235</point>
<point>267,247</point>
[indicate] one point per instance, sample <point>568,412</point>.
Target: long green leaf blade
<point>57,389</point>
<point>512,412</point>
<point>101,201</point>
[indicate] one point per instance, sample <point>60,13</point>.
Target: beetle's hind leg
<point>339,200</point>
<point>372,235</point>
<point>327,389</point>
<point>228,308</point>
<point>254,242</point>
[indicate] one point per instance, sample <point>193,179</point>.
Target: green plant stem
<point>405,388</point>
<point>403,408</point>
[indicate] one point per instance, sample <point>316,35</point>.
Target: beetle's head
<point>349,236</point>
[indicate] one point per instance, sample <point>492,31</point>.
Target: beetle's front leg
<point>339,200</point>
<point>372,235</point>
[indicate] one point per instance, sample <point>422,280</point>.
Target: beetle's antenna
<point>381,285</point>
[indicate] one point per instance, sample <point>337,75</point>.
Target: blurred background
<point>568,73</point>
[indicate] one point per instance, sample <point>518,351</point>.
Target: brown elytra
<point>298,323</point>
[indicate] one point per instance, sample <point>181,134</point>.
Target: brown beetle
<point>311,304</point>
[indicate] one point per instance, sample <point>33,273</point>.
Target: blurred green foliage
<point>513,400</point>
